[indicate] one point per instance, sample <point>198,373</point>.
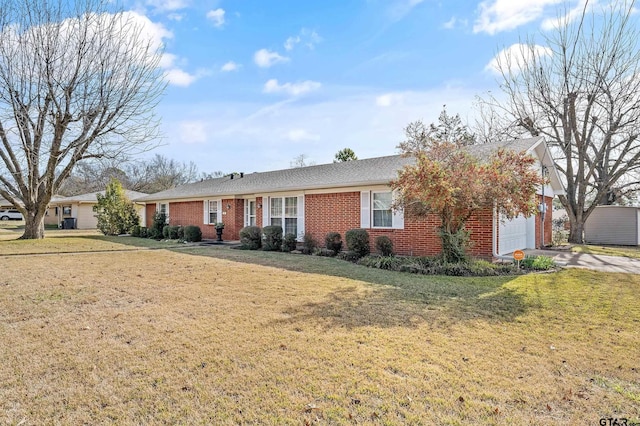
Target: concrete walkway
<point>595,262</point>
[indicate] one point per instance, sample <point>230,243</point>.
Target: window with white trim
<point>381,209</point>
<point>249,212</point>
<point>284,213</point>
<point>213,212</point>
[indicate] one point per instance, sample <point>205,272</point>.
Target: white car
<point>10,214</point>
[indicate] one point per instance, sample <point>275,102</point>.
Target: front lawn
<point>213,336</point>
<point>623,251</point>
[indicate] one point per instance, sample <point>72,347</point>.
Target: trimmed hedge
<point>272,238</point>
<point>358,241</point>
<point>289,243</point>
<point>384,245</point>
<point>192,233</point>
<point>251,237</point>
<point>309,244</point>
<point>333,242</point>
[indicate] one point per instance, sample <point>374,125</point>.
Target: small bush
<point>289,243</point>
<point>538,263</point>
<point>165,232</point>
<point>358,241</point>
<point>384,245</point>
<point>350,256</point>
<point>390,263</point>
<point>180,232</point>
<point>192,234</point>
<point>309,244</point>
<point>144,232</point>
<point>154,234</point>
<point>135,231</point>
<point>251,237</point>
<point>323,252</point>
<point>333,242</point>
<point>157,225</point>
<point>272,238</point>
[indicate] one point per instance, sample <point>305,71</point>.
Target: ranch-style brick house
<point>337,197</point>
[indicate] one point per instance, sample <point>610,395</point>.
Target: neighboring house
<point>337,197</point>
<point>616,225</point>
<point>80,207</point>
<point>4,204</point>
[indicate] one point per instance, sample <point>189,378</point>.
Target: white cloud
<point>504,15</point>
<point>293,89</point>
<point>515,57</point>
<point>450,24</point>
<point>570,16</point>
<point>167,5</point>
<point>298,135</point>
<point>176,16</point>
<point>230,66</point>
<point>308,38</point>
<point>291,42</point>
<point>388,99</point>
<point>193,131</point>
<point>216,16</point>
<point>178,77</point>
<point>265,58</point>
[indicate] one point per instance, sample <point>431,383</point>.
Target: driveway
<point>596,262</point>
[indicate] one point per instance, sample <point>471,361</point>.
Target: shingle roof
<point>370,171</point>
<point>92,198</point>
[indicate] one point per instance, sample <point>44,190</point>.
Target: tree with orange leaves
<point>446,180</point>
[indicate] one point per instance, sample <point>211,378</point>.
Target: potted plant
<point>219,229</point>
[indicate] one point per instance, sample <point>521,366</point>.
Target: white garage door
<point>516,234</point>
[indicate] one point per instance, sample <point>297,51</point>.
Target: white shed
<point>616,225</point>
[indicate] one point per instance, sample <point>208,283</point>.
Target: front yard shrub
<point>358,241</point>
<point>289,243</point>
<point>144,232</point>
<point>384,245</point>
<point>333,242</point>
<point>180,232</point>
<point>157,225</point>
<point>272,238</point>
<point>173,232</point>
<point>251,237</point>
<point>349,256</point>
<point>391,263</point>
<point>309,244</point>
<point>165,232</point>
<point>323,252</point>
<point>135,231</point>
<point>192,233</point>
<point>538,263</point>
<point>437,266</point>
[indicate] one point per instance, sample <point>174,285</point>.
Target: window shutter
<point>365,209</point>
<point>397,220</point>
<point>300,217</point>
<point>205,203</point>
<point>219,211</point>
<point>246,212</point>
<point>265,211</point>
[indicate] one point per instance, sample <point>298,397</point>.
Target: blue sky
<point>255,83</point>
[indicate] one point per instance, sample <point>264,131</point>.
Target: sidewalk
<point>595,262</point>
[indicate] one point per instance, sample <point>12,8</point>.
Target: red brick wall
<point>548,222</point>
<point>340,212</point>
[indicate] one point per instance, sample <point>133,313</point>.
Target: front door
<point>249,212</point>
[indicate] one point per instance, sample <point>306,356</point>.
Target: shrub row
<point>190,233</point>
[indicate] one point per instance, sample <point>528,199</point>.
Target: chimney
<point>231,176</point>
<point>241,174</point>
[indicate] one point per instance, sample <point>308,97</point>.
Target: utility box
<point>69,223</point>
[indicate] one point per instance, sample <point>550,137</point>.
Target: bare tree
<point>581,90</point>
<point>76,82</point>
<point>301,160</point>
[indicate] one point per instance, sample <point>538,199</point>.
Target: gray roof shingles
<point>371,171</point>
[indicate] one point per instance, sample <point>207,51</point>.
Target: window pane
<point>213,206</point>
<point>291,207</point>
<point>276,207</point>
<point>382,218</point>
<point>382,200</point>
<point>252,221</point>
<point>213,217</point>
<point>252,208</point>
<point>291,226</point>
<point>276,221</point>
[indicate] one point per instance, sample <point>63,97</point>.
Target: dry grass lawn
<point>155,336</point>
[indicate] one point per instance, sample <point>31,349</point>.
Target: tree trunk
<point>33,226</point>
<point>576,230</point>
